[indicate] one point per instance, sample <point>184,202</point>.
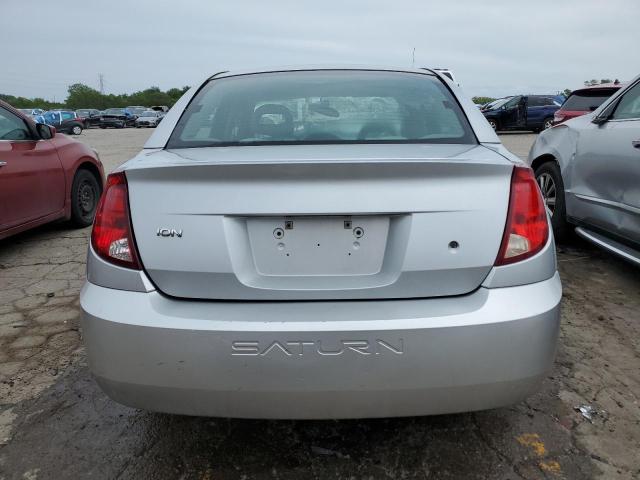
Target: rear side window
<point>322,107</point>
<point>535,102</point>
<point>586,100</point>
<point>538,101</point>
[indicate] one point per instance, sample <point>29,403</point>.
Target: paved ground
<point>56,423</point>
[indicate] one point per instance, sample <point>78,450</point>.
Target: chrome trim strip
<point>614,247</point>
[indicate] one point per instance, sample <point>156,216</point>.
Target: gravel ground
<point>56,423</point>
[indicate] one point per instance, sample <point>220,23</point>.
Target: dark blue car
<point>524,112</point>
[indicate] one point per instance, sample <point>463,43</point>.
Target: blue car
<point>65,121</point>
<point>524,112</point>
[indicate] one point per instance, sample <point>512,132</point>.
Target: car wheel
<point>494,124</point>
<point>76,129</point>
<point>85,193</point>
<point>551,186</point>
<point>548,123</point>
<point>103,126</point>
<point>120,125</point>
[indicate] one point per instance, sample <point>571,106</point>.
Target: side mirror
<point>600,119</point>
<point>46,132</point>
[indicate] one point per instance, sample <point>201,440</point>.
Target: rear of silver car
<point>326,278</point>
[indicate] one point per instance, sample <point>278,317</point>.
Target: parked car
<point>117,118</point>
<point>137,111</point>
<point>323,243</point>
<point>90,116</point>
<point>495,104</point>
<point>44,176</point>
<point>65,121</point>
<point>32,112</point>
<point>585,100</point>
<point>160,108</point>
<point>524,112</point>
<point>148,118</point>
<point>588,169</point>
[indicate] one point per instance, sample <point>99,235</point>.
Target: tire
<point>551,185</point>
<point>85,193</point>
<point>494,124</point>
<point>103,127</point>
<point>76,129</point>
<point>120,125</point>
<point>547,123</point>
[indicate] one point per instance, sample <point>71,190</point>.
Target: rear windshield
<point>322,107</point>
<point>587,100</point>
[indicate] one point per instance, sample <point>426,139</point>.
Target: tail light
<point>527,230</point>
<point>112,236</point>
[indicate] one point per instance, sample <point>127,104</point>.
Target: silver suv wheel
<point>548,189</point>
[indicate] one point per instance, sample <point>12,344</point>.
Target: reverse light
<point>526,231</point>
<point>112,236</point>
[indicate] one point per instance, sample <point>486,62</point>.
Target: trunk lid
<point>319,221</point>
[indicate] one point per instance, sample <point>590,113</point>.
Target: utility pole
<point>413,58</point>
<point>101,79</point>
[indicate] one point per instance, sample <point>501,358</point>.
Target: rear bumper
<point>348,359</point>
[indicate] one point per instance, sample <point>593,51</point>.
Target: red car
<point>44,176</point>
<point>585,100</point>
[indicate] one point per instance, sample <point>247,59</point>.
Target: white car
<point>148,118</point>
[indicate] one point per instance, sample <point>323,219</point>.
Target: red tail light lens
<point>527,230</point>
<point>112,237</point>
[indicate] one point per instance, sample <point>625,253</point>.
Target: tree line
<point>83,96</point>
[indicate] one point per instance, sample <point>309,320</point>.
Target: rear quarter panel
<point>73,155</point>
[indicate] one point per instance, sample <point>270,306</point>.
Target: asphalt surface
<point>56,423</point>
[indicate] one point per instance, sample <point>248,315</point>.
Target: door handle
<point>2,164</point>
<point>636,143</point>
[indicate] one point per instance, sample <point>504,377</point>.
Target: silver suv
<point>588,169</point>
<point>321,243</point>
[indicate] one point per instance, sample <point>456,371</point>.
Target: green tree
<point>80,95</point>
<point>482,100</point>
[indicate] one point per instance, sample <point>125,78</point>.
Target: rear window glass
<point>585,101</point>
<point>322,107</point>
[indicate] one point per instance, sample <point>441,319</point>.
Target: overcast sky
<point>495,47</point>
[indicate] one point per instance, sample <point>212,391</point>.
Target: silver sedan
<point>148,118</point>
<point>588,169</point>
<point>321,243</point>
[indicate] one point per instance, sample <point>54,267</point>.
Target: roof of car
<point>303,68</point>
<point>601,86</point>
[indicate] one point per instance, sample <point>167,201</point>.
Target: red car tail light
<point>527,230</point>
<point>112,235</point>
